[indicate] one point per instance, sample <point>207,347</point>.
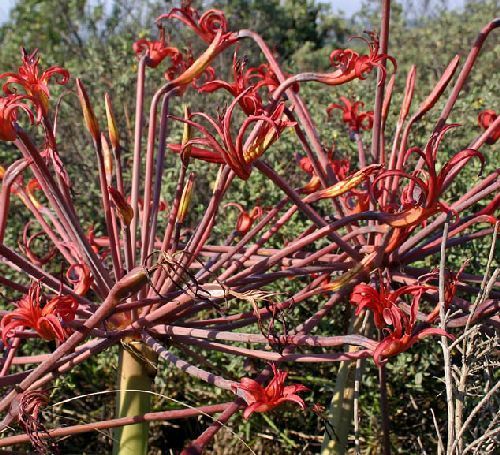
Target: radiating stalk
<point>136,372</point>
<point>379,92</point>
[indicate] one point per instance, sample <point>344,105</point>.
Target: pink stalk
<point>160,164</point>
<point>227,256</point>
<point>61,244</point>
<point>361,151</point>
<point>192,370</point>
<point>196,446</point>
<point>424,107</point>
<point>245,319</point>
<point>263,239</point>
<point>466,201</point>
<point>8,183</point>
<point>466,70</point>
<point>9,179</point>
<point>148,177</point>
<point>136,169</point>
<point>18,262</point>
<point>403,114</point>
<point>160,274</point>
<point>385,112</point>
<point>302,113</point>
<point>298,340</point>
<point>107,210</point>
<point>6,362</point>
<point>13,285</point>
<point>203,229</point>
<point>381,74</point>
<point>426,251</point>
<point>276,356</point>
<point>113,423</point>
<point>304,208</point>
<point>64,213</point>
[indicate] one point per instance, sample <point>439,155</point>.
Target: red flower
<point>253,78</point>
<point>355,119</point>
<point>402,336</point>
<point>245,219</point>
<point>9,106</point>
<point>485,119</point>
<point>350,65</point>
<point>156,52</point>
<point>263,399</point>
<point>35,84</point>
<point>420,198</point>
<point>212,28</point>
<point>234,152</point>
<point>205,26</point>
<point>383,302</point>
<point>46,320</point>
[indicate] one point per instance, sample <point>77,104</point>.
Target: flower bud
<point>31,187</point>
<point>438,89</point>
<point>186,135</point>
<point>201,63</point>
<point>408,95</point>
<point>123,209</point>
<point>186,198</point>
<point>88,113</point>
<point>345,185</point>
<point>108,159</point>
<point>364,266</point>
<point>114,137</point>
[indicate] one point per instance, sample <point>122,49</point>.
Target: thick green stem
<point>342,404</point>
<point>136,371</point>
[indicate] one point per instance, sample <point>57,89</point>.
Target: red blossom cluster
<point>246,82</point>
<point>355,119</point>
<point>351,65</point>
<point>35,83</point>
<point>46,319</point>
<point>264,399</point>
<point>397,326</point>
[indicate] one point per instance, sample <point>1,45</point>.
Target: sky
<point>351,6</point>
<point>347,6</point>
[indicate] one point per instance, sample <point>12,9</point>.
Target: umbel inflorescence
<point>165,284</point>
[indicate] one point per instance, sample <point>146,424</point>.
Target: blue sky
<point>348,6</point>
<point>351,6</point>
